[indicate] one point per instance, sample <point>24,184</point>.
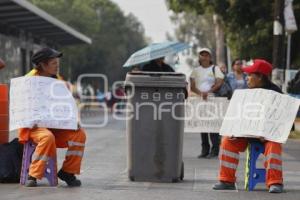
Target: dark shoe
<point>204,152</point>
<point>31,182</point>
<point>70,179</point>
<point>276,188</point>
<point>224,186</point>
<point>212,155</point>
<point>203,155</point>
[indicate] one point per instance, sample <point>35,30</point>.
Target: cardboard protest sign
<point>260,113</point>
<point>204,116</point>
<point>41,101</point>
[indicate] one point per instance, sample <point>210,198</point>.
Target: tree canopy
<point>248,24</point>
<point>115,36</point>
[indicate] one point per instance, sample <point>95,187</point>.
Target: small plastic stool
<point>51,169</point>
<point>254,175</point>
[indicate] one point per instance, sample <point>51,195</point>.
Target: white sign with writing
<point>260,113</point>
<point>42,101</point>
<point>204,116</point>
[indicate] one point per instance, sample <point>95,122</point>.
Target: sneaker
<point>31,182</point>
<point>70,179</point>
<point>276,188</point>
<point>224,186</point>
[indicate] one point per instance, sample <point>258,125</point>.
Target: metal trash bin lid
<point>156,79</point>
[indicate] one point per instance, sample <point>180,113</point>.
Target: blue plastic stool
<point>254,175</point>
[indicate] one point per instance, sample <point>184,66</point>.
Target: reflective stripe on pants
<point>230,149</point>
<point>47,140</point>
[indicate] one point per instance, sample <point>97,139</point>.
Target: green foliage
<point>115,36</point>
<point>248,23</point>
<point>295,47</point>
<point>195,29</point>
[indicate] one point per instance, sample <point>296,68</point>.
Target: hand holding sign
<point>260,113</point>
<point>42,102</point>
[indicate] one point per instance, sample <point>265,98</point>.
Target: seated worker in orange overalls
<point>46,63</point>
<point>258,77</point>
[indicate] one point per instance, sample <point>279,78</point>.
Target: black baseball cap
<point>44,54</point>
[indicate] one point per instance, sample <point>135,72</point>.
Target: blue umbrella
<point>154,51</point>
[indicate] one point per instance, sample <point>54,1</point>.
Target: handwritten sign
<point>41,101</point>
<point>260,113</point>
<point>204,116</point>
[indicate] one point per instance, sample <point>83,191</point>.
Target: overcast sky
<point>153,14</point>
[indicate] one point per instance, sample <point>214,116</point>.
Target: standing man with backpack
<point>206,79</point>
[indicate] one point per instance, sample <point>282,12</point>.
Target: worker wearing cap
<point>46,63</point>
<point>258,77</point>
<point>205,80</point>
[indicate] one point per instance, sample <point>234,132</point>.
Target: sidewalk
<point>104,174</point>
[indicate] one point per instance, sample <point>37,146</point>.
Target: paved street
<point>104,173</point>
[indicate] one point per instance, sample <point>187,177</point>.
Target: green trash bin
<point>155,126</point>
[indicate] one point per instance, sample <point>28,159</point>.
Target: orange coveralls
<point>229,159</point>
<point>47,140</point>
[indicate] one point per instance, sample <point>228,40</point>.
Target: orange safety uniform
<point>47,140</point>
<point>229,159</point>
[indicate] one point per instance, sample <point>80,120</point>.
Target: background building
<point>24,28</point>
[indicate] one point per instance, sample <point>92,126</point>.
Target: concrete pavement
<point>104,173</point>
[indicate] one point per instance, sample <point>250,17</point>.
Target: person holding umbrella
<point>158,65</point>
<point>155,54</point>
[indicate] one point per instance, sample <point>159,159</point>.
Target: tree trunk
<point>220,45</point>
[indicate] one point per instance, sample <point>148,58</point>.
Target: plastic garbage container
<point>155,125</point>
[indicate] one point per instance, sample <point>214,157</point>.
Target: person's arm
<point>219,76</point>
<point>170,69</point>
<point>194,88</point>
<point>219,82</point>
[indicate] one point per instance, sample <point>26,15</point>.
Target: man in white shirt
<point>205,80</point>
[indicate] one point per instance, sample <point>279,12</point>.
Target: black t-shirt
<point>272,86</point>
<point>294,84</point>
<point>154,67</point>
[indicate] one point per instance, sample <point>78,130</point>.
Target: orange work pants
<point>229,159</point>
<point>47,140</point>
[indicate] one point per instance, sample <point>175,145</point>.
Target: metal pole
<point>229,67</point>
<point>288,52</point>
<point>278,41</point>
